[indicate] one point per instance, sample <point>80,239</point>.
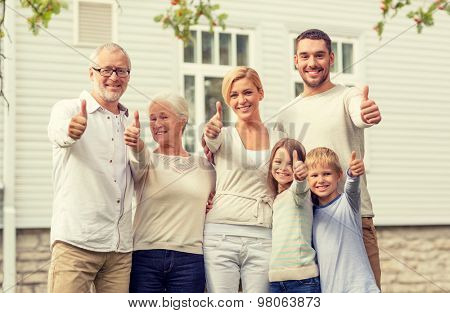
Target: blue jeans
<point>309,285</point>
<point>156,271</point>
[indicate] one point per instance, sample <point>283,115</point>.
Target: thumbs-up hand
<point>356,166</point>
<point>78,123</point>
<point>370,112</point>
<point>299,168</point>
<point>214,126</point>
<point>133,133</point>
<point>136,122</point>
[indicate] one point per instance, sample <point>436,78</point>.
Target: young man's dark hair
<point>314,34</point>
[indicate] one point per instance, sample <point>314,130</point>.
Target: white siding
<point>2,110</point>
<point>1,160</point>
<point>95,22</point>
<point>409,152</point>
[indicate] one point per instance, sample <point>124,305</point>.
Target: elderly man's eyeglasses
<point>106,72</point>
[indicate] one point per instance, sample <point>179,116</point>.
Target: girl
<point>292,263</point>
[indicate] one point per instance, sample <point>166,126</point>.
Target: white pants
<point>229,259</point>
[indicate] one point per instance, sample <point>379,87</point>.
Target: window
<point>95,22</point>
<point>342,72</point>
<point>204,62</point>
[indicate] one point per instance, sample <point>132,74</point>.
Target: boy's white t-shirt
<point>338,241</point>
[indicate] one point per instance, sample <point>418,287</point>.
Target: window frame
<point>200,71</point>
<point>76,24</point>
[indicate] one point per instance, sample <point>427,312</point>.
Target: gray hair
<point>110,46</point>
<point>175,102</point>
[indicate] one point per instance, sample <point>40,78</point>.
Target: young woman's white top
<point>242,194</point>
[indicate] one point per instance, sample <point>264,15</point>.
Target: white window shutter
<point>96,22</point>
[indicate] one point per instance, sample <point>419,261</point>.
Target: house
<point>407,155</point>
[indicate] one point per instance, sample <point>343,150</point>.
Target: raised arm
<point>355,170</point>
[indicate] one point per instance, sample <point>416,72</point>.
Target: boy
<point>337,230</point>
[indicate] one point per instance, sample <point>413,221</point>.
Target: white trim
<point>345,78</point>
<point>216,54</point>
<point>9,148</point>
<point>416,221</point>
<point>76,15</point>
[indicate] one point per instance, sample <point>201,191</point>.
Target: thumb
<point>137,124</point>
<point>353,156</point>
<point>365,93</point>
<point>295,157</point>
<point>83,112</point>
<point>219,110</point>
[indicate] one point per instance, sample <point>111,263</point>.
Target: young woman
<point>237,237</point>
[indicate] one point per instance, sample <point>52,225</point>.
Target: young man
<point>332,116</point>
<point>91,235</point>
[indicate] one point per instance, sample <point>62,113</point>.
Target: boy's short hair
<point>323,156</point>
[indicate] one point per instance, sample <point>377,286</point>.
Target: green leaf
<point>399,5</point>
<point>419,28</point>
<point>47,16</point>
<point>432,7</point>
<point>222,16</point>
<point>428,19</point>
<point>24,3</point>
<point>411,14</point>
<point>158,18</point>
<point>379,28</point>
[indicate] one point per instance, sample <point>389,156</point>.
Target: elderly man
<point>91,235</point>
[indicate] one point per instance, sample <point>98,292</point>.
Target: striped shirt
<point>293,257</point>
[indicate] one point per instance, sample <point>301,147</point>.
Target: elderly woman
<point>238,228</point>
<point>172,189</point>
